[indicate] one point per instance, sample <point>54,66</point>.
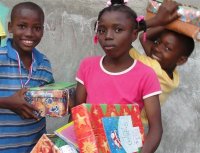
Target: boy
<point>21,66</point>
<point>165,50</point>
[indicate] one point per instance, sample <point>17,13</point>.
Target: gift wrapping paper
<point>89,128</point>
<point>51,100</point>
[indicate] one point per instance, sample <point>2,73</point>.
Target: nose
<point>109,34</point>
<point>29,32</point>
<point>158,47</point>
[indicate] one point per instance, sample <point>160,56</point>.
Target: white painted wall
<point>68,38</point>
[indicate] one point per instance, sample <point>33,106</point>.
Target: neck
<point>26,58</point>
<point>170,73</point>
<point>117,64</point>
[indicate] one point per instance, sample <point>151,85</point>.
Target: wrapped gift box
<point>188,23</point>
<point>49,143</point>
<point>89,129</point>
<point>45,145</point>
<point>52,99</point>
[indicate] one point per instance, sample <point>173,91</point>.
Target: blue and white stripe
<point>16,134</point>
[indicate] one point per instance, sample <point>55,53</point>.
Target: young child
<point>21,67</point>
<point>107,79</point>
<point>165,49</point>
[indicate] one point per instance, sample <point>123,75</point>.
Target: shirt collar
<point>38,58</point>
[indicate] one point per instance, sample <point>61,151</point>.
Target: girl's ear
<point>182,60</point>
<point>134,34</point>
<point>9,27</point>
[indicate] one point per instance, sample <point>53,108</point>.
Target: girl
<point>106,79</point>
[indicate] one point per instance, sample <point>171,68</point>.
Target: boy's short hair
<point>187,42</point>
<point>28,5</point>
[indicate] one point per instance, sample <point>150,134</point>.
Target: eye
<point>101,31</point>
<point>21,26</point>
<point>118,30</point>
<point>38,28</point>
<point>156,42</point>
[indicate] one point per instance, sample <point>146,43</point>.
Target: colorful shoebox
<point>91,131</point>
<point>45,145</point>
<point>188,23</point>
<point>52,99</point>
<point>50,143</point>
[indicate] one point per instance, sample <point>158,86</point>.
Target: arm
<point>167,13</point>
<point>153,138</point>
<point>81,94</point>
<point>151,35</point>
<point>17,104</point>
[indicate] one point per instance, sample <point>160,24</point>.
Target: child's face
<point>116,33</point>
<point>167,51</point>
<point>27,29</point>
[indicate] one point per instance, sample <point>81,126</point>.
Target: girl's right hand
<point>20,106</point>
<point>167,12</point>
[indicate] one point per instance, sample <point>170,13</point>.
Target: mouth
<point>109,47</point>
<point>28,43</point>
<point>155,57</point>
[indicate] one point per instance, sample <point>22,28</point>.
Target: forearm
<point>151,35</point>
<point>4,101</point>
<point>152,140</point>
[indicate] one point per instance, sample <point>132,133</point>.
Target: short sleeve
<point>151,85</point>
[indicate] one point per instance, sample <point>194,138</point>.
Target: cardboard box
<point>89,128</point>
<point>52,99</point>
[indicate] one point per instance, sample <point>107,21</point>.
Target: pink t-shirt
<point>129,86</point>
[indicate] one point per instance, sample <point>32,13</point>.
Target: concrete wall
<point>68,38</point>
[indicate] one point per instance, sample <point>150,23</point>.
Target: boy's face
<point>115,32</point>
<point>167,50</point>
<point>27,29</point>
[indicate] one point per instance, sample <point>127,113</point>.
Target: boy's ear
<point>9,27</point>
<point>134,34</point>
<point>182,60</point>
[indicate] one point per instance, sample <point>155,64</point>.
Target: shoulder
<point>90,61</point>
<point>3,53</point>
<point>145,69</point>
<point>41,59</point>
<point>3,50</point>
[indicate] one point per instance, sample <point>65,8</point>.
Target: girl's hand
<point>167,12</point>
<point>17,104</point>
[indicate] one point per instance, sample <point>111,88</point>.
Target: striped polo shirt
<point>19,135</point>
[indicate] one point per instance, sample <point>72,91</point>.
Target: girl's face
<point>116,34</point>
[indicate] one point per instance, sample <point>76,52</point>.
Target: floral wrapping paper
<point>51,100</point>
<point>89,128</point>
<point>188,23</point>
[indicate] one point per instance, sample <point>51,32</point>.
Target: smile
<point>155,57</point>
<point>28,42</point>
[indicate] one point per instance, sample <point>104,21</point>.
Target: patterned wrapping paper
<point>89,128</point>
<point>188,23</point>
<point>45,145</point>
<point>53,99</point>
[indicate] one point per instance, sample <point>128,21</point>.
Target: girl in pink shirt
<point>109,79</point>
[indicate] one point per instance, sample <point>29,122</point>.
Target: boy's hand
<point>167,12</point>
<point>18,105</point>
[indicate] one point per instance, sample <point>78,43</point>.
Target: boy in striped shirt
<point>22,66</point>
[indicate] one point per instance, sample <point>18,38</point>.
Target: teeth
<point>28,42</point>
<point>155,57</point>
